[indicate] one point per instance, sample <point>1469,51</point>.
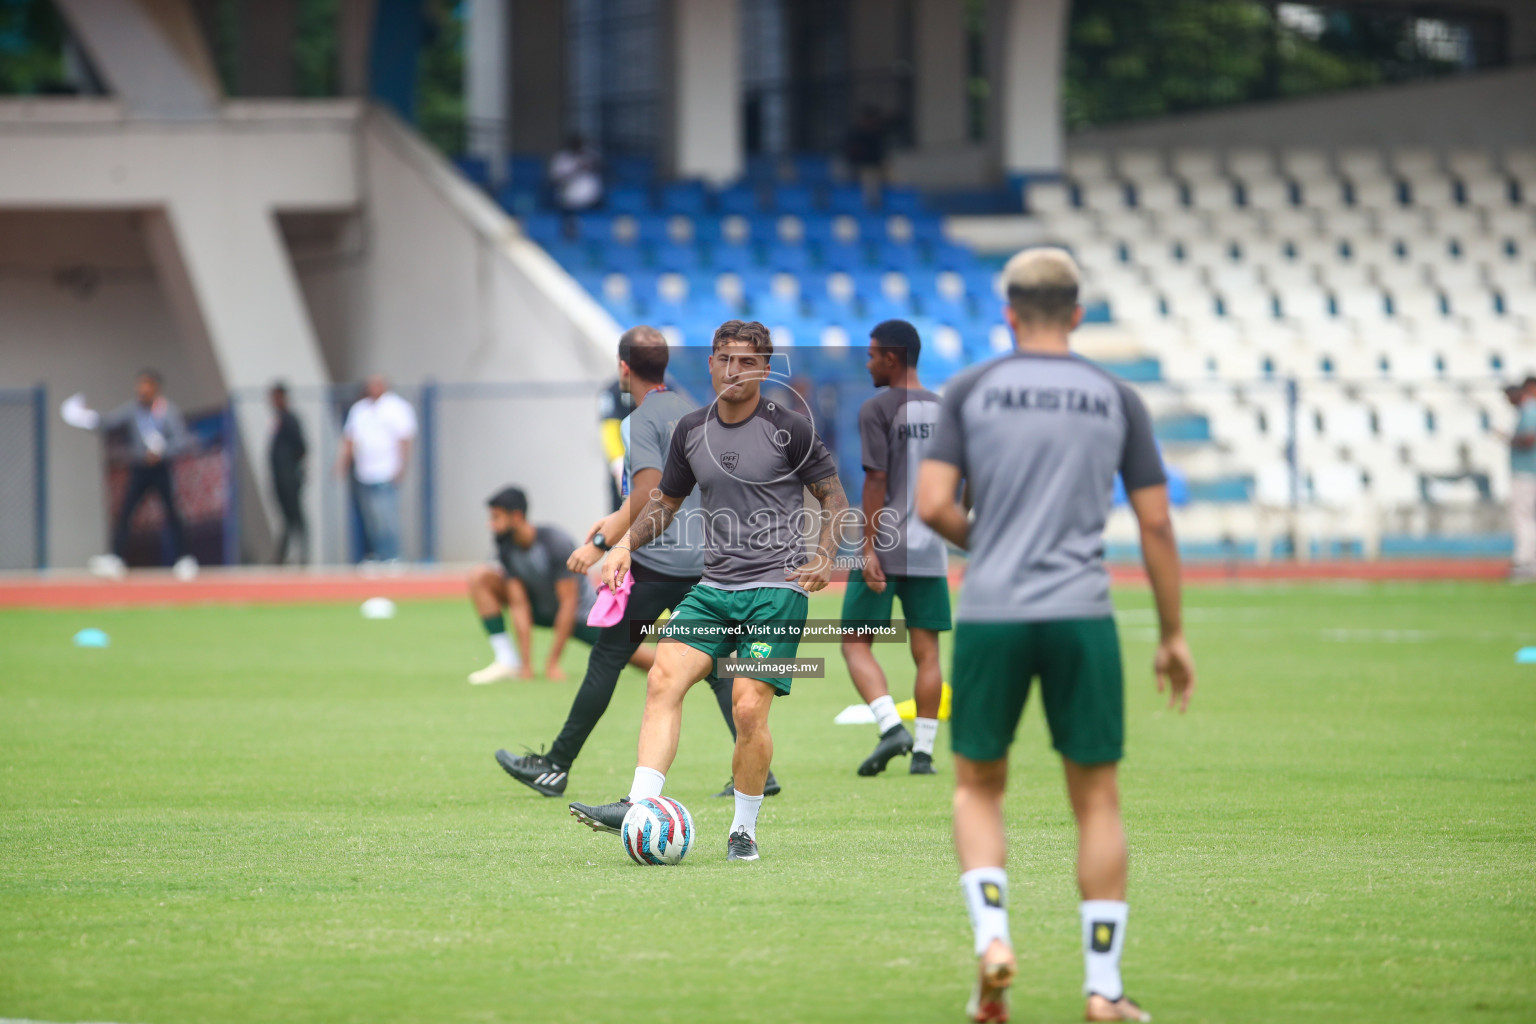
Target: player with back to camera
<point>902,558</point>
<point>530,579</point>
<point>664,572</point>
<point>1039,435</point>
<point>751,461</point>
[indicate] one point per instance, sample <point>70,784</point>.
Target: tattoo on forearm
<point>652,523</point>
<point>834,503</point>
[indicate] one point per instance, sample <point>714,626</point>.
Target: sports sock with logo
<point>886,717</point>
<point>924,731</point>
<point>746,813</point>
<point>986,898</point>
<point>1103,939</point>
<point>501,643</point>
<point>648,783</point>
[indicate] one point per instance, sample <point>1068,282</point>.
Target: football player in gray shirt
<point>902,558</point>
<point>664,572</point>
<point>1038,435</point>
<point>751,461</point>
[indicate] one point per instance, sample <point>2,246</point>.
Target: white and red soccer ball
<point>657,830</point>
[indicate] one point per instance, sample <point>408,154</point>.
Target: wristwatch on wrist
<point>599,541</point>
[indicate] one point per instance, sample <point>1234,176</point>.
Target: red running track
<point>214,586</point>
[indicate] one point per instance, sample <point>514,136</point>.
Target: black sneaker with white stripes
<point>535,771</point>
<point>740,846</point>
<point>602,817</point>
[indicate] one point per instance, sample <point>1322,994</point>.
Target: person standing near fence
<point>1522,482</point>
<point>286,456</point>
<point>376,447</point>
<point>156,433</point>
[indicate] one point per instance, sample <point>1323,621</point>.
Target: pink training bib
<point>608,609</point>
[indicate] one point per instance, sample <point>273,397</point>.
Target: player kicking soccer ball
<point>751,461</point>
<point>902,557</point>
<point>1039,436</point>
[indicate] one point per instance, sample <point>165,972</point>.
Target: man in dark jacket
<point>286,455</point>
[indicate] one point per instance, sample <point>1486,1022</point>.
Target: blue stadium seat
<point>771,309</point>
<point>873,228</point>
<point>629,199</point>
<point>690,197</point>
<point>764,228</point>
<point>622,259</point>
<point>651,229</point>
<point>733,256</point>
<point>951,256</point>
<point>927,227</point>
<point>895,256</point>
<point>642,284</point>
<point>980,285</point>
<point>844,257</point>
<point>677,258</point>
<point>701,283</point>
<point>570,255</point>
<point>818,230</point>
<point>762,168</point>
<point>883,307</point>
<point>706,229</point>
<point>848,199</point>
<point>812,168</point>
<point>800,199</point>
<point>833,310</point>
<point>525,170</point>
<point>591,280</point>
<point>544,228</point>
<point>476,168</point>
<point>953,311</point>
<point>903,199</point>
<point>790,259</point>
<point>625,310</point>
<point>868,283</point>
<point>741,199</point>
<point>632,170</point>
<point>595,227</point>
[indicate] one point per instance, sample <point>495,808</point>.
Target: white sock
<point>746,813</point>
<point>925,731</point>
<point>1103,939</point>
<point>648,783</point>
<point>986,898</point>
<point>886,717</point>
<point>506,654</point>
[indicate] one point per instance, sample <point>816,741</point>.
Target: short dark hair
<point>509,499</point>
<point>645,350</point>
<point>279,387</point>
<point>898,334</point>
<point>1529,382</point>
<point>153,374</point>
<point>749,331</point>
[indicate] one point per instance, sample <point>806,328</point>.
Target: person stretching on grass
<point>1039,436</point>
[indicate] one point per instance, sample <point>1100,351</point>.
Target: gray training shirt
<point>1040,438</point>
<point>647,437</point>
<point>539,567</point>
<point>895,429</point>
<point>750,477</point>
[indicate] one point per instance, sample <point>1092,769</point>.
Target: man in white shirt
<point>376,447</point>
<point>575,173</point>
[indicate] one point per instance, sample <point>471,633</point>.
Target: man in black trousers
<point>286,455</point>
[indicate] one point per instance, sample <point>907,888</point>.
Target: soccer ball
<point>657,830</point>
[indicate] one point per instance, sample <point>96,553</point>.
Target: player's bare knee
<point>989,778</point>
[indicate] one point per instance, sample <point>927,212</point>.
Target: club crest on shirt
<point>760,649</point>
<point>728,460</point>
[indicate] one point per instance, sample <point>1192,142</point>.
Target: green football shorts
<point>1081,684</point>
<point>763,622</point>
<point>924,601</point>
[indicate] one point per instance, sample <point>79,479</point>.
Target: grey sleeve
<point>948,444</point>
<point>559,547</point>
<point>807,453</point>
<point>1140,464</point>
<point>179,439</point>
<point>874,436</point>
<point>677,479</point>
<point>119,417</point>
<point>647,443</point>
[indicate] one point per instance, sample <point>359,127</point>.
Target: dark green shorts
<point>924,601</point>
<point>1081,685</point>
<point>763,622</point>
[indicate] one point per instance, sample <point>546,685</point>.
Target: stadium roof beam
<point>151,52</point>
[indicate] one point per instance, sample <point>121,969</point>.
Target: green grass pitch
<point>292,814</point>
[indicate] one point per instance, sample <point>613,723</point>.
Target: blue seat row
<point>763,228</point>
<point>790,259</point>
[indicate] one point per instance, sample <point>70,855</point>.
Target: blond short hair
<point>1042,286</point>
